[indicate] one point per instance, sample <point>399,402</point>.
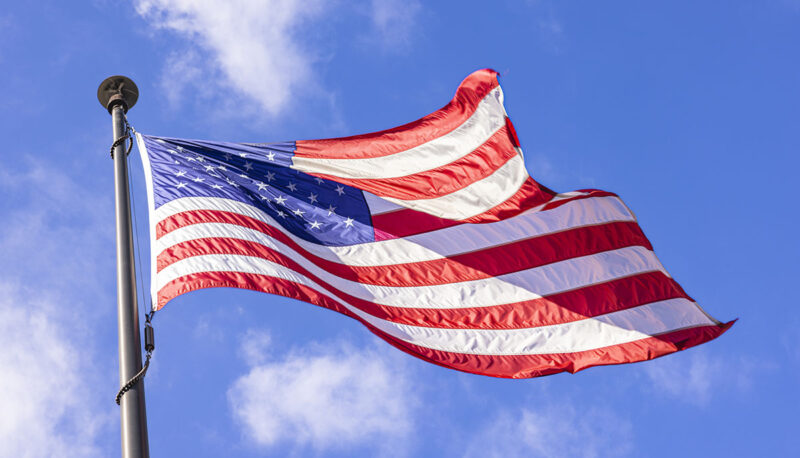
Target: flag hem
<point>151,217</point>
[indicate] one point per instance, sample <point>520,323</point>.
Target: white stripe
<point>359,289</point>
<point>612,329</point>
<point>503,289</point>
<point>487,119</point>
<point>421,247</point>
<point>479,197</point>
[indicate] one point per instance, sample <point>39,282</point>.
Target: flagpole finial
<point>118,90</point>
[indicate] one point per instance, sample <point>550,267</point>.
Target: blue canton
<point>314,209</point>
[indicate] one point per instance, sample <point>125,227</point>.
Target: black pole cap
<point>116,90</point>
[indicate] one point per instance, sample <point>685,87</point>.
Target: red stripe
<point>406,222</point>
<point>530,194</point>
<point>527,366</point>
<point>480,264</point>
<point>514,366</point>
<point>512,132</point>
<point>587,194</point>
<point>386,142</point>
<point>594,300</point>
<point>475,166</point>
<point>390,225</point>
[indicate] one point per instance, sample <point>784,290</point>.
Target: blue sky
<point>688,111</point>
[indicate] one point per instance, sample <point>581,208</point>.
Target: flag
<point>431,234</point>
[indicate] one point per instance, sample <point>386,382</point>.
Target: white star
<point>262,186</point>
<point>339,189</point>
<point>280,200</point>
<point>248,166</point>
<point>243,175</point>
<point>242,154</point>
<point>299,212</point>
<point>222,167</point>
<point>172,151</point>
<point>281,214</point>
<point>319,180</point>
<point>348,222</point>
<point>231,182</point>
<point>180,173</point>
<point>216,186</point>
<point>264,198</point>
<point>315,225</point>
<point>271,156</point>
<point>270,176</point>
<point>200,159</point>
<point>292,187</point>
<point>198,180</point>
<point>331,209</point>
<point>228,156</point>
<point>191,159</point>
<point>179,148</point>
<point>181,185</point>
<point>209,168</point>
<point>312,198</point>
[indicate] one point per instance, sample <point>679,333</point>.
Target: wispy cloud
<point>48,405</point>
<point>551,33</point>
<point>52,260</point>
<point>6,26</point>
<point>254,348</point>
<point>553,430</point>
<point>547,25</point>
<point>695,376</point>
<point>327,397</point>
<point>255,57</point>
<point>394,22</point>
<point>53,229</point>
<point>252,47</point>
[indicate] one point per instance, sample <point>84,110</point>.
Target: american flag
<point>432,235</point>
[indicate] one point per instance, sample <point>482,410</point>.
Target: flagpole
<point>118,94</point>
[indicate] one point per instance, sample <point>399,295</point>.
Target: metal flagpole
<point>118,94</point>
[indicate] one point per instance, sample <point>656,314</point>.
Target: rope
<point>121,140</point>
<point>149,343</point>
<point>149,346</point>
<point>135,379</point>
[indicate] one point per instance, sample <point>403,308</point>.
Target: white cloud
<point>253,44</point>
<point>551,33</point>
<point>254,347</point>
<point>554,430</point>
<point>48,408</point>
<point>542,169</point>
<point>52,263</point>
<point>249,57</point>
<point>55,230</point>
<point>330,396</point>
<point>695,376</point>
<point>549,28</point>
<point>394,21</point>
<point>690,377</point>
